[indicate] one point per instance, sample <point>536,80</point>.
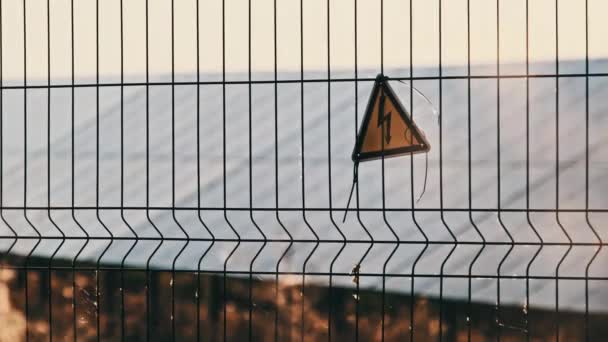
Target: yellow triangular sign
<point>387,128</point>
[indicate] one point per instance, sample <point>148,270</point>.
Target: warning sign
<point>387,128</point>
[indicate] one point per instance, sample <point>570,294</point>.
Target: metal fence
<point>180,170</point>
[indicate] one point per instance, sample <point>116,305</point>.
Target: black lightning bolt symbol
<point>382,118</point>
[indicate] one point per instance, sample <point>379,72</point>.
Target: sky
<point>542,34</point>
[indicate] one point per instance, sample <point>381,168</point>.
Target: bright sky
<point>396,34</point>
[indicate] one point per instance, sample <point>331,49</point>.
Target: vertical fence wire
<point>591,227</point>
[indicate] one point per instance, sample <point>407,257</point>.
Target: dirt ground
<point>187,306</point>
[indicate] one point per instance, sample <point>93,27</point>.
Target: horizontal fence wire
<point>305,80</point>
<point>187,209</point>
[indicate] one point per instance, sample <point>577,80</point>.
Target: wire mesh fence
<point>181,170</point>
